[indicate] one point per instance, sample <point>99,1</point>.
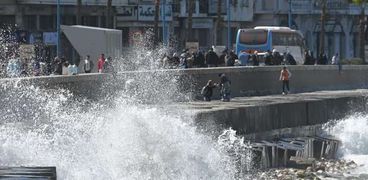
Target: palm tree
<point>79,6</point>
<point>190,20</point>
<point>157,15</point>
<point>108,14</point>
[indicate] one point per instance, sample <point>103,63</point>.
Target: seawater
<point>352,131</point>
<point>120,139</point>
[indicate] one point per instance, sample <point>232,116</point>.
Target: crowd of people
<point>200,59</point>
<point>23,68</point>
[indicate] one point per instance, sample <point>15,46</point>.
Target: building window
<point>203,6</point>
<point>30,22</point>
<point>68,20</point>
<point>268,5</point>
<point>90,21</point>
<point>47,23</point>
<point>7,20</point>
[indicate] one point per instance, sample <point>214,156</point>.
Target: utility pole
<point>228,25</point>
<point>290,15</point>
<point>58,19</point>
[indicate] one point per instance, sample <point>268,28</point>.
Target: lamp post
<point>58,18</point>
<point>228,25</point>
<point>290,15</point>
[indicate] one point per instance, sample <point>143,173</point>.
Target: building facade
<point>36,20</point>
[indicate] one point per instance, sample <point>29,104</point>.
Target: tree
<point>190,20</point>
<point>362,24</point>
<point>218,20</point>
<point>79,17</point>
<point>108,14</point>
<point>322,32</point>
<point>157,15</point>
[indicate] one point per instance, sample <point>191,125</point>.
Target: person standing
<point>284,77</point>
<point>87,67</point>
<point>101,62</point>
<point>335,59</point>
<point>243,58</point>
<point>225,88</point>
<point>211,58</point>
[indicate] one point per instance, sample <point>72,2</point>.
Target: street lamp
<point>58,48</point>
<point>228,25</point>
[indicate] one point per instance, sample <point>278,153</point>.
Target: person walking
<point>284,77</point>
<point>207,90</point>
<point>101,62</point>
<point>87,67</point>
<point>243,58</point>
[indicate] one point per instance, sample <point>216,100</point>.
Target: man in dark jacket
<point>212,58</point>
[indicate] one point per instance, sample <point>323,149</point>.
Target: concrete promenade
<point>288,114</point>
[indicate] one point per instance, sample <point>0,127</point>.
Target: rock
<point>300,174</point>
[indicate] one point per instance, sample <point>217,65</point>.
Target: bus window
<point>253,37</point>
<point>286,39</point>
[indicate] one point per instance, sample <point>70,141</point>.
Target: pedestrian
<point>211,58</point>
<point>255,59</point>
<point>65,67</point>
<point>230,59</point>
<point>184,59</point>
<point>243,58</point>
<point>335,59</point>
<point>101,62</point>
<point>222,58</point>
<point>225,84</point>
<point>268,58</point>
<point>207,90</point>
<point>290,59</point>
<point>284,77</point>
<point>87,66</point>
<point>277,58</point>
<point>200,59</point>
<point>108,67</point>
<point>175,61</point>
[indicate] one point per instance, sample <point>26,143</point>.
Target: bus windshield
<point>286,39</point>
<point>253,37</point>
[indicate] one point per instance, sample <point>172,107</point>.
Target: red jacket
<point>100,64</point>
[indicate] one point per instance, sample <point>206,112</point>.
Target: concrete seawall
<point>246,81</point>
<point>287,114</point>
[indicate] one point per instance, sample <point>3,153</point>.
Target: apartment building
<point>37,19</point>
